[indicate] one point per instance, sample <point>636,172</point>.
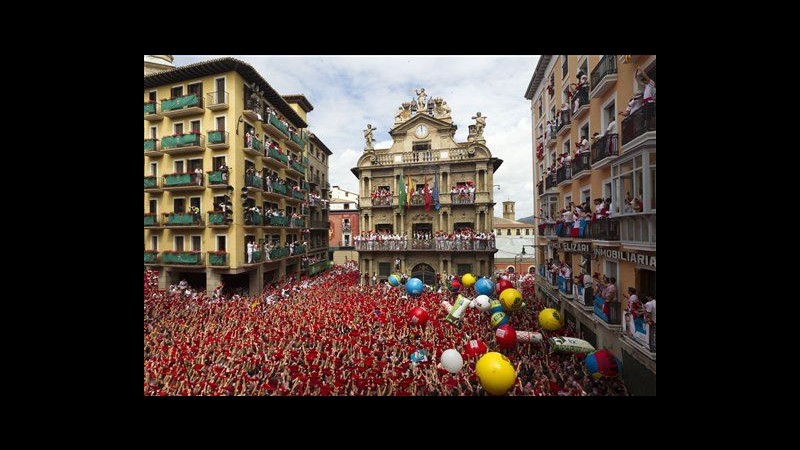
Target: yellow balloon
<point>550,319</point>
<point>496,373</point>
<point>468,280</point>
<point>511,298</point>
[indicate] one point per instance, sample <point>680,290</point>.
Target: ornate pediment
<point>420,119</point>
<point>421,217</point>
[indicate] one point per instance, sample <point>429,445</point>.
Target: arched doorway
<point>425,273</point>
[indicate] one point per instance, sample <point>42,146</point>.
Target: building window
<point>221,243</point>
<point>508,231</point>
<point>586,196</point>
<point>347,206</point>
<point>609,115</point>
<point>584,133</point>
<point>384,269</point>
<point>518,233</point>
<point>564,66</point>
<point>527,231</point>
<point>153,132</point>
<point>464,269</point>
<point>196,88</point>
<point>195,201</point>
<point>178,128</point>
<point>178,166</point>
<point>196,241</point>
<point>566,147</point>
<point>154,169</point>
<point>217,162</point>
<point>152,95</point>
<point>176,92</point>
<point>611,271</point>
<point>421,146</point>
<point>567,200</point>
<point>628,185</point>
<point>178,243</point>
<point>154,242</point>
<point>153,206</point>
<point>179,205</point>
<point>195,124</point>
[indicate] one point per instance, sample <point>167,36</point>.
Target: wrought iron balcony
<point>604,149</point>
<point>639,123</point>
<point>604,75</point>
<point>185,105</point>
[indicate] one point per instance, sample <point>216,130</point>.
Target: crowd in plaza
<point>330,335</point>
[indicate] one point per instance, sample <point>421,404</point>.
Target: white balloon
<point>452,361</point>
<point>484,302</point>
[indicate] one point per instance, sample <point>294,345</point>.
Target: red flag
<point>428,196</point>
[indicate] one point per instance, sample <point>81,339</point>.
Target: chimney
<point>508,210</point>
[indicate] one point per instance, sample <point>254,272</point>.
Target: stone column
<point>213,279</point>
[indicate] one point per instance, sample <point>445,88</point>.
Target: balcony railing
<point>584,296</point>
<point>346,228</point>
<point>182,179</point>
<point>604,229</point>
<point>605,147</point>
<point>217,178</point>
<point>218,139</point>
<point>540,188</point>
<point>466,199</point>
<point>300,195</point>
<point>550,181</point>
<point>315,179</point>
<point>299,250</point>
<point>638,229</point>
<point>639,330</point>
<point>609,312</point>
<point>151,145</point>
<point>151,182</point>
<point>305,161</point>
<point>304,186</point>
<point>182,258</point>
<point>606,66</point>
<point>183,102</point>
<point>382,202</point>
<point>217,258</point>
<point>252,218</point>
<point>564,173</point>
<point>217,100</point>
<point>254,181</point>
<point>254,258</point>
<point>278,124</point>
<point>580,163</point>
<point>150,220</point>
<point>279,188</point>
<point>638,123</point>
<point>273,153</point>
<point>279,252</point>
<point>417,200</point>
<point>279,221</point>
<point>182,141</point>
<point>151,257</point>
<point>182,219</point>
<point>565,286</point>
<point>216,218</point>
<point>425,244</point>
<point>298,223</point>
<point>298,167</point>
<point>252,144</point>
<point>298,140</point>
<point>151,111</point>
<point>317,267</point>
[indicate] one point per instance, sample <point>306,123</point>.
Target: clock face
<point>421,131</point>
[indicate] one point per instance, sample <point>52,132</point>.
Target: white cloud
<point>350,92</point>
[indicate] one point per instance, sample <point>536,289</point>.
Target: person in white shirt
<point>634,105</point>
<point>650,307</point>
<point>649,87</point>
<point>612,127</point>
<point>249,253</point>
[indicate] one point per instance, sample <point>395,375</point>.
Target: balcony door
<point>176,92</point>
<point>153,206</point>
<point>196,88</point>
<point>179,243</point>
<point>196,243</point>
<point>179,205</point>
<point>425,273</point>
<point>221,123</point>
<point>220,91</point>
<point>221,243</point>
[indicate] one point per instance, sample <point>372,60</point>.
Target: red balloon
<point>502,285</point>
<point>418,316</point>
<point>475,348</point>
<point>506,336</point>
<point>455,286</point>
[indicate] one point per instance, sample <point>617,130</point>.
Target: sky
<point>348,92</point>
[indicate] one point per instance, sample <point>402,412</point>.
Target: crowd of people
<point>463,239</point>
<point>267,246</point>
<point>328,335</point>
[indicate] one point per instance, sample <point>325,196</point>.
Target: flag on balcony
<point>410,189</point>
<point>436,190</point>
<point>428,197</point>
<point>402,195</point>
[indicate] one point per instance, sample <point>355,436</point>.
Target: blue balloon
<point>393,280</point>
<point>484,286</point>
<point>414,286</point>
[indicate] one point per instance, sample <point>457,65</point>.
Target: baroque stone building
<point>423,151</point>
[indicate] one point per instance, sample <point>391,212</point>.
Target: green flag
<point>401,196</point>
